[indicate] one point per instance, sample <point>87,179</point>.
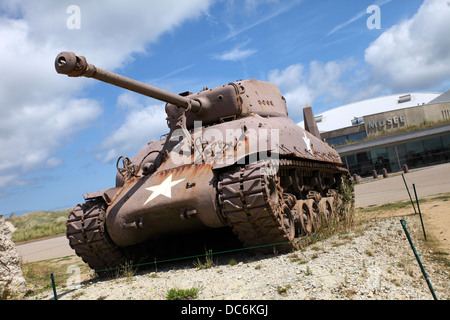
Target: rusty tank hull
<point>232,160</point>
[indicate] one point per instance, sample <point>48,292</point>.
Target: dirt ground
<point>435,212</point>
<point>436,220</point>
<point>370,261</point>
<point>433,190</point>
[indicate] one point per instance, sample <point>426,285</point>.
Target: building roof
<point>445,97</point>
<point>342,116</point>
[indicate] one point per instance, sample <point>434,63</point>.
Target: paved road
<point>428,181</point>
<point>432,180</point>
<point>45,249</point>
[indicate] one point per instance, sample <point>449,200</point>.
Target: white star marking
<point>165,188</point>
<point>307,142</point>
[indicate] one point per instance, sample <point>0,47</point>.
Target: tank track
<point>85,229</point>
<point>252,202</point>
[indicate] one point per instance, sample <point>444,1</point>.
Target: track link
<point>251,200</point>
<point>85,229</point>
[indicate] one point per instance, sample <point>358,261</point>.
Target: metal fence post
<point>420,213</point>
<point>403,222</point>
<point>54,286</point>
<point>407,189</point>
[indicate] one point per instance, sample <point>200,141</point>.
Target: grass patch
<point>342,217</point>
<point>209,263</point>
<point>387,207</point>
<point>403,204</point>
<point>441,257</point>
<point>182,294</point>
<point>232,262</point>
<point>283,290</point>
<point>38,273</point>
<point>126,271</point>
<point>38,225</point>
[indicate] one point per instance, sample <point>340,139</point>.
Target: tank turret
<point>232,160</point>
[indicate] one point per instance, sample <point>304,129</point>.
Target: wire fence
<point>379,265</point>
<point>401,226</point>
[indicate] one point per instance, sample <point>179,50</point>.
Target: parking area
<point>428,181</point>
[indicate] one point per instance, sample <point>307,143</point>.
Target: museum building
<point>389,132</point>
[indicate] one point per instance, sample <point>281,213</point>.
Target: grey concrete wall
<point>396,119</point>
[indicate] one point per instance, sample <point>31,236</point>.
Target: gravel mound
<point>374,262</point>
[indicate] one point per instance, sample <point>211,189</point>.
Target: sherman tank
<point>231,160</point>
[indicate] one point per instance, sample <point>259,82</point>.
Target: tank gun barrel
<point>76,66</point>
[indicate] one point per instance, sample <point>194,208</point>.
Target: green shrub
<point>38,224</point>
<point>182,294</point>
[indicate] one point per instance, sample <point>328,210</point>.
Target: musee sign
<point>386,123</point>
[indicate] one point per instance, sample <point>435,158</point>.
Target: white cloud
<point>411,55</point>
<point>235,54</point>
<point>238,53</point>
<point>415,53</point>
<point>129,100</point>
<point>31,134</point>
<point>36,110</point>
<point>140,126</point>
<point>7,180</point>
<point>39,109</point>
<point>329,83</point>
<point>110,30</point>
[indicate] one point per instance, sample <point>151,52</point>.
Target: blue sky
<point>60,137</point>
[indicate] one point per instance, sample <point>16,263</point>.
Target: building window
<point>337,141</point>
<point>357,120</point>
<point>318,118</point>
<point>357,136</point>
<point>380,159</point>
<point>415,154</point>
<point>434,150</point>
<point>404,98</point>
